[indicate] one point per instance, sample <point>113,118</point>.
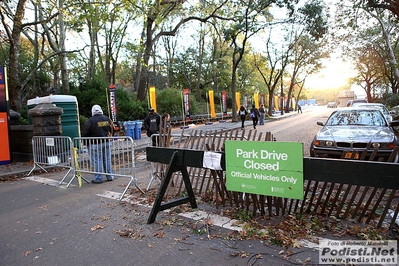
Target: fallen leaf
<point>97,226</point>
<point>159,234</point>
<point>125,233</point>
<point>296,244</point>
<point>26,253</point>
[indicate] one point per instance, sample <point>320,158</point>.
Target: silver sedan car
<point>354,133</point>
<point>380,106</point>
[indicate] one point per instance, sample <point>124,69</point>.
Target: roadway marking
<point>46,181</point>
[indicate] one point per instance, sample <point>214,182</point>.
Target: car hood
<point>356,134</point>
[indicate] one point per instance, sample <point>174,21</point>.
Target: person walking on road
<point>99,126</point>
<point>262,115</point>
<point>151,125</point>
<point>254,115</point>
<point>299,108</point>
<point>243,115</point>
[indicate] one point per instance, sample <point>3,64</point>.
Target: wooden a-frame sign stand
<point>176,163</point>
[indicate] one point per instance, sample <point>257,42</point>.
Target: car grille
<point>356,145</point>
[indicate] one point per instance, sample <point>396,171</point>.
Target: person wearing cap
<point>99,126</point>
<point>151,124</point>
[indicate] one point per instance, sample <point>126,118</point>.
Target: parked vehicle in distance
<point>332,105</point>
<point>352,102</point>
<point>355,133</point>
<point>379,106</point>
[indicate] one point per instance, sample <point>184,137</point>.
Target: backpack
<point>252,114</point>
<point>243,112</point>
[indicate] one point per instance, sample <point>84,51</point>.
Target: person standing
<point>101,127</point>
<point>243,115</point>
<point>254,115</point>
<point>151,125</point>
<point>262,115</point>
<point>299,108</point>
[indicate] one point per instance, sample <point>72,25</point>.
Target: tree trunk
<point>62,56</point>
<point>13,71</point>
<point>200,59</point>
<point>91,63</point>
<point>142,90</point>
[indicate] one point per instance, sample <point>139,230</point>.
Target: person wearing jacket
<point>243,115</point>
<point>262,115</point>
<point>254,115</point>
<point>151,124</point>
<point>98,128</point>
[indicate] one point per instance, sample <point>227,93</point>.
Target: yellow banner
<point>238,97</point>
<point>153,100</point>
<point>212,104</point>
<point>276,102</point>
<point>256,99</point>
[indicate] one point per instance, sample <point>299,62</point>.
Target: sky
<point>335,74</point>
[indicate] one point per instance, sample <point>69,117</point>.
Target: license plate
<point>348,155</point>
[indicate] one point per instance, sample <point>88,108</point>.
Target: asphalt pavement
<point>46,224</point>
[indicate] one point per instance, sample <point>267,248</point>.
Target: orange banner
<point>256,99</point>
<point>238,98</point>
<point>212,103</point>
<point>153,99</point>
<point>5,155</point>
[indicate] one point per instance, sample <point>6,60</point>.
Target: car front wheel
<point>311,151</point>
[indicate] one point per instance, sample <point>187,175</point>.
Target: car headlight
<point>327,143</point>
<point>375,145</point>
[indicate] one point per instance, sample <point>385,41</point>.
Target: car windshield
<point>356,117</point>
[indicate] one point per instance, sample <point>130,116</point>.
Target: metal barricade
<point>115,158</point>
<point>55,151</point>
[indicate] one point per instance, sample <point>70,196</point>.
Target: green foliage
<point>171,101</point>
<point>22,121</point>
<point>98,93</point>
<point>82,121</point>
<point>243,216</point>
<point>129,109</point>
<point>90,94</point>
<point>392,100</point>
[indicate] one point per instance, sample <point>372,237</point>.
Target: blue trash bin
<point>137,129</point>
<point>129,128</point>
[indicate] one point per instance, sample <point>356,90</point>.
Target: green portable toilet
<point>70,116</point>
